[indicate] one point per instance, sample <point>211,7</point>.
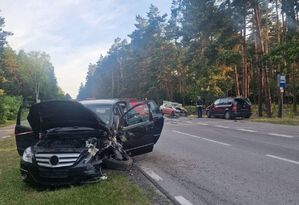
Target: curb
<point>159,187</point>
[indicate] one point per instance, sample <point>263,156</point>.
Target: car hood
<point>52,114</point>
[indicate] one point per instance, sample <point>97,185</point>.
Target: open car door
<point>136,126</point>
<point>158,120</point>
<point>23,132</point>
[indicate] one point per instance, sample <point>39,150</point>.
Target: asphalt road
<point>215,161</point>
<point>6,132</point>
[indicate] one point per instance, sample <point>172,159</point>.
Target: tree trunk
<point>237,81</point>
<point>266,74</point>
<point>294,88</point>
<point>259,52</point>
<point>244,59</point>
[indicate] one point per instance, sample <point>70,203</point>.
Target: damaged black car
<point>68,142</point>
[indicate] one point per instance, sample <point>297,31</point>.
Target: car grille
<point>54,160</point>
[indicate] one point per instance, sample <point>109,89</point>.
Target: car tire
<point>123,165</point>
<point>227,115</point>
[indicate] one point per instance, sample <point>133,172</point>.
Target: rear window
<point>243,101</point>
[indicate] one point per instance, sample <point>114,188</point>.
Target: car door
<point>157,118</point>
<point>23,132</point>
<point>136,126</point>
<point>215,108</point>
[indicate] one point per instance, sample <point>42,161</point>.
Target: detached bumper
<point>79,173</point>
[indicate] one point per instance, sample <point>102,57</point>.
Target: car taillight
<point>234,108</point>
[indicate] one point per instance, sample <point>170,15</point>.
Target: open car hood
<point>52,114</point>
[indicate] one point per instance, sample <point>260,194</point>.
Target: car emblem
<point>54,160</point>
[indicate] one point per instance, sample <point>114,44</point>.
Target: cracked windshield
<point>125,102</point>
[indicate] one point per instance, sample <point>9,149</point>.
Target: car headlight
<point>27,155</point>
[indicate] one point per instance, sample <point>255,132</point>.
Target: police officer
<point>199,106</point>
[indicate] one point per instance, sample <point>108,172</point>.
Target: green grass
<point>289,117</point>
<point>9,122</point>
<point>117,189</point>
<point>276,120</point>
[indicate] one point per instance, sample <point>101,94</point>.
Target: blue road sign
<point>282,81</point>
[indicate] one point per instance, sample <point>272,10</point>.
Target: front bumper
<point>78,173</point>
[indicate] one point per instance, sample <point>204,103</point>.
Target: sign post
<point>281,81</point>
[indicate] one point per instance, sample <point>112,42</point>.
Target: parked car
<point>230,108</point>
<point>67,142</point>
<point>173,109</point>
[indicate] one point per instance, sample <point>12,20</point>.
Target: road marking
<point>182,200</point>
<point>280,135</point>
<point>189,122</point>
<point>200,123</point>
<point>246,130</point>
<point>283,159</point>
<point>5,137</point>
<point>221,126</point>
<point>152,174</point>
<point>198,137</point>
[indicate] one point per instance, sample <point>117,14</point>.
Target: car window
<point>222,101</point>
<point>229,101</point>
<point>154,107</point>
<point>138,114</point>
<point>23,117</point>
<point>103,111</point>
<point>217,102</point>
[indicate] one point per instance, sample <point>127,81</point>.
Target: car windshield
<point>103,111</point>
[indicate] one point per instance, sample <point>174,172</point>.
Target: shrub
<point>9,106</point>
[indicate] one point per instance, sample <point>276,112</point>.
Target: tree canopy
<point>210,48</point>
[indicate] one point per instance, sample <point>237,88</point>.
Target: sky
<point>73,32</point>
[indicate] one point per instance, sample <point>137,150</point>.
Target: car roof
<point>100,101</point>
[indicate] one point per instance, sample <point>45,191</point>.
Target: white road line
<point>283,159</point>
<point>221,126</point>
<point>182,200</point>
<point>246,130</point>
<point>202,138</point>
<point>152,174</point>
<point>200,123</point>
<point>5,137</point>
<point>280,135</point>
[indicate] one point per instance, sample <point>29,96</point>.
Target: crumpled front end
<point>67,159</point>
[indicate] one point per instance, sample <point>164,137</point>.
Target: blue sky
<point>73,32</point>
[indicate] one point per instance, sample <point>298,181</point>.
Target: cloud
<point>73,32</point>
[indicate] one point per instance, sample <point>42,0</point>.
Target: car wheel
<point>123,165</point>
<point>227,115</point>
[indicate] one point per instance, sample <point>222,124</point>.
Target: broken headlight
<point>27,155</point>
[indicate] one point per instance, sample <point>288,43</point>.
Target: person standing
<point>199,106</point>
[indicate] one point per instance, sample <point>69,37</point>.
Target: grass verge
<point>9,122</point>
<point>276,120</point>
<point>117,189</point>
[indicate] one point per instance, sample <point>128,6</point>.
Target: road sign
<point>282,81</point>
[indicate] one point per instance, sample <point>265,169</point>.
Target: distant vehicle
<point>230,108</point>
<point>173,109</point>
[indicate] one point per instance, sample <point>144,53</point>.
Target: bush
<point>191,109</point>
<point>9,106</point>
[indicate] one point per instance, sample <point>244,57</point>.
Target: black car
<point>230,108</point>
<point>64,142</point>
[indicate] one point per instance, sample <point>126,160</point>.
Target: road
<point>7,131</point>
<point>215,161</point>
